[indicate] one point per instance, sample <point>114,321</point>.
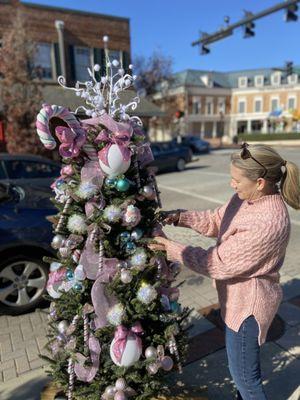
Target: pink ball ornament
<point>120,395</point>
<point>167,363</point>
<point>132,216</point>
<point>116,165</point>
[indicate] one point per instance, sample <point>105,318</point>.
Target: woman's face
<point>243,186</point>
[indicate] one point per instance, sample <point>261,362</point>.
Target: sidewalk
<point>206,370</point>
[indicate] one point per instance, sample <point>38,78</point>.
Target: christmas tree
<point>115,324</point>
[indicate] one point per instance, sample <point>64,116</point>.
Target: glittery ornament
<point>112,213</point>
<point>139,258</point>
<point>115,314</point>
<point>57,241</point>
<point>126,276</point>
<point>146,294</point>
<point>122,185</point>
<point>86,190</point>
<point>150,352</point>
<point>132,216</point>
<point>77,224</point>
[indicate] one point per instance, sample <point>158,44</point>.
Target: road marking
<point>211,199</point>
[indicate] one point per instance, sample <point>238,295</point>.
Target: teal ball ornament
<point>69,274</point>
<point>122,185</point>
<point>110,182</point>
<point>78,287</point>
<point>175,307</point>
<point>136,234</point>
<point>124,236</point>
<point>130,247</point>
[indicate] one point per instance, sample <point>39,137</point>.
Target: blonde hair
<point>280,172</point>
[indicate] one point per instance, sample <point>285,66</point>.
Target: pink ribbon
<point>121,336</point>
<point>71,141</point>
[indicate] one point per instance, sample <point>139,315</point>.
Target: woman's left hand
<point>160,244</point>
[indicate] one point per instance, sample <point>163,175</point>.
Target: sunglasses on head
<point>245,153</point>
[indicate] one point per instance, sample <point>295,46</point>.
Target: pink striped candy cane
<point>43,118</point>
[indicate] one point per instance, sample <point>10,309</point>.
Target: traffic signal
<point>290,13</point>
<point>179,114</point>
<point>248,29</point>
<point>289,68</point>
<point>205,49</point>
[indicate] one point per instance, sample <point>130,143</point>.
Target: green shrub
<point>248,137</point>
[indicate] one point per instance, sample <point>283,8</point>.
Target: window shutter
<point>57,59</point>
<point>126,60</point>
<point>72,63</point>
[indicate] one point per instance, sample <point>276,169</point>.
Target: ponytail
<point>290,185</point>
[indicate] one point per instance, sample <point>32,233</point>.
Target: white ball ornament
<point>97,67</point>
<point>116,165</point>
<point>57,241</point>
<point>112,213</point>
<point>126,276</point>
<point>115,63</point>
<point>146,294</point>
<point>110,392</point>
<point>131,354</point>
<point>62,326</point>
<point>151,352</point>
<point>77,224</point>
<point>120,384</point>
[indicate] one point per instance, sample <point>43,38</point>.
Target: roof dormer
<point>243,82</point>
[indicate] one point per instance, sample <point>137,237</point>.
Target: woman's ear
<point>261,184</point>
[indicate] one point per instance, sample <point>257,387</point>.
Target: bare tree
<point>152,71</point>
<point>20,92</point>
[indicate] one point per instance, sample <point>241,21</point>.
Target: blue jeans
<point>244,360</point>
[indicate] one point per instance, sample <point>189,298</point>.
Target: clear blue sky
<point>171,26</point>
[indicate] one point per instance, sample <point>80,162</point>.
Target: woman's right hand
<point>170,217</point>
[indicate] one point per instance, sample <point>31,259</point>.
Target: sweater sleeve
<point>206,223</point>
<point>246,253</point>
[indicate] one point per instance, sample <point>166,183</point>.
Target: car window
<point>21,169</point>
<point>2,173</point>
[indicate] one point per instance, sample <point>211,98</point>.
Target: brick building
<point>222,105</point>
<point>69,41</point>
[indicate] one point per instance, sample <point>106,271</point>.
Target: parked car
<point>25,237</point>
<point>196,144</point>
<point>170,156</point>
<point>24,169</point>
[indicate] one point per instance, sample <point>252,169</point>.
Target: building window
<point>274,104</point>
<point>259,80</point>
<point>196,106</point>
<point>243,81</point>
<point>43,61</point>
<point>275,79</point>
<point>221,106</point>
<point>209,108</point>
<point>257,105</point>
<point>242,107</point>
<point>291,103</point>
<point>293,79</point>
<point>115,55</point>
<point>82,59</point>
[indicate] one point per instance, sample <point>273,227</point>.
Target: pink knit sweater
<point>251,242</point>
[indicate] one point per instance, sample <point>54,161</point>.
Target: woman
<point>252,232</point>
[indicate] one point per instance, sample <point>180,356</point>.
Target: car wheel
<point>180,166</point>
<point>22,284</point>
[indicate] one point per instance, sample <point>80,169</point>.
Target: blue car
<point>25,237</point>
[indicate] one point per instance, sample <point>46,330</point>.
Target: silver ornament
<point>150,352</point>
<point>110,392</point>
<point>152,368</point>
<point>148,191</point>
<point>126,276</point>
<point>120,384</point>
<point>62,326</point>
<point>57,241</point>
